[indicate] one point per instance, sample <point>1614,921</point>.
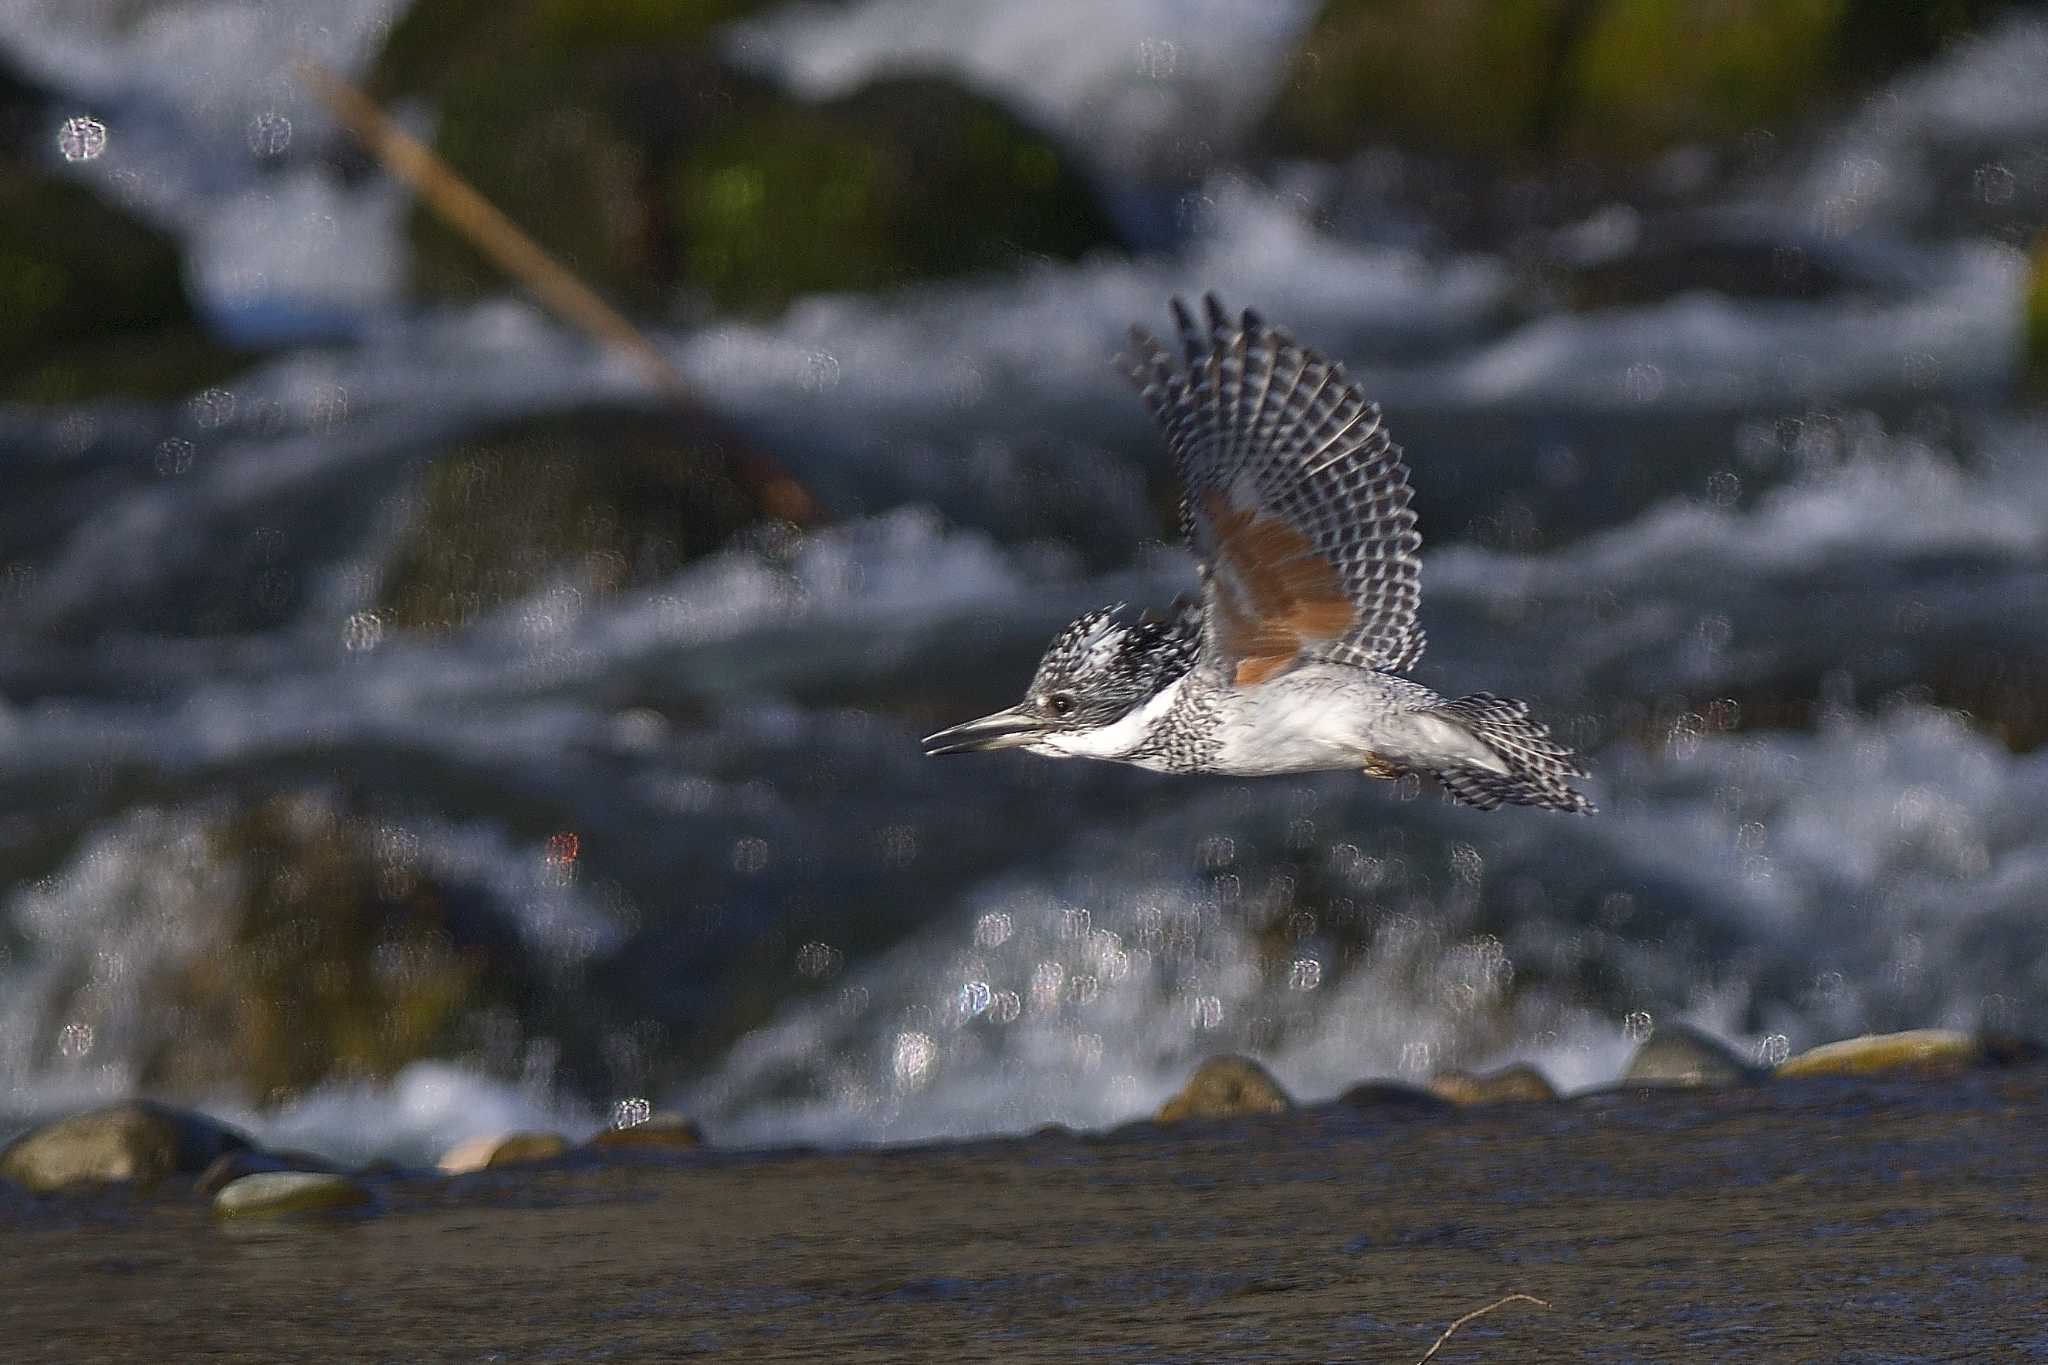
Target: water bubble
<point>631,1112</point>
<point>1995,184</point>
<point>1683,740</point>
<point>1205,1012</point>
<point>212,408</point>
<point>912,1060</point>
<point>1467,865</point>
<point>364,630</point>
<point>1073,924</point>
<point>898,846</point>
<point>1772,1049</point>
<point>1158,58</point>
<point>270,134</point>
<point>74,1041</point>
<point>1088,1051</point>
<point>1305,975</point>
<point>1638,1026</point>
<point>1046,980</point>
<point>327,407</point>
<point>818,960</point>
<point>820,372</point>
<point>992,930</point>
<point>1724,487</point>
<point>173,456</point>
<point>750,855</point>
<point>975,998</point>
<point>1751,836</point>
<point>1083,987</point>
<point>1005,1007</point>
<point>1644,382</point>
<point>81,138</point>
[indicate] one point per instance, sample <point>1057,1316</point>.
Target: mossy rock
<point>1610,78</point>
<point>1517,1084</point>
<point>902,180</point>
<point>614,135</point>
<point>92,300</point>
<point>1916,1051</point>
<point>604,500</point>
<point>1461,75</point>
<point>134,1141</point>
<point>340,958</point>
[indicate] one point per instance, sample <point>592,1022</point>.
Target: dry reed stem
<point>500,240</point>
<point>1478,1313</point>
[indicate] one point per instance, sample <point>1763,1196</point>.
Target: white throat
<point>1117,739</point>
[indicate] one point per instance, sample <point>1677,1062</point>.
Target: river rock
<point>1226,1087</point>
<point>229,1167</point>
<point>1611,78</point>
<point>1928,1049</point>
<point>1681,1056</point>
<point>137,1140</point>
<point>1392,1097</point>
<point>661,1132</point>
<point>1510,1084</point>
<point>503,1149</point>
<point>92,298</point>
<point>599,501</point>
<point>273,1194</point>
<point>625,143</point>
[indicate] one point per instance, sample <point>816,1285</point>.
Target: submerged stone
<point>1226,1087</point>
<point>229,1167</point>
<point>272,1194</point>
<point>137,1140</point>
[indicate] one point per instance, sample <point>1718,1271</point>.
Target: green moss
<point>1462,75</point>
<point>603,500</point>
<point>1611,78</point>
<point>909,179</point>
<point>611,133</point>
<point>1647,73</point>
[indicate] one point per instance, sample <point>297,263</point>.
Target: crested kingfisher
<point>1295,504</point>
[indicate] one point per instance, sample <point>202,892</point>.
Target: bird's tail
<point>1537,764</point>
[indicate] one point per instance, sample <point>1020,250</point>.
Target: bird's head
<point>1086,698</point>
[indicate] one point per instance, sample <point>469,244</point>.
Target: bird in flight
<point>1295,504</point>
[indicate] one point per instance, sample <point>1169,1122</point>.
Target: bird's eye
<point>1061,703</point>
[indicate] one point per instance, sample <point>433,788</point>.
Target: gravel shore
<point>1842,1219</point>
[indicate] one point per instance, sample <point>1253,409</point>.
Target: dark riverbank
<point>1834,1219</point>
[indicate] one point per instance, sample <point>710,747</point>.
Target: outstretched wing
<point>1293,498</point>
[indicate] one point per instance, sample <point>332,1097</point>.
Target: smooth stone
<point>660,1132</point>
<point>229,1167</point>
<point>1681,1056</point>
<point>503,1149</point>
<point>136,1140</point>
<point>1926,1049</point>
<point>1397,1096</point>
<point>1226,1087</point>
<point>1517,1084</point>
<point>270,1194</point>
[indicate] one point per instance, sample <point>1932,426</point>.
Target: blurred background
<point>412,722</point>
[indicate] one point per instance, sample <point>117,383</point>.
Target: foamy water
<point>1632,514</point>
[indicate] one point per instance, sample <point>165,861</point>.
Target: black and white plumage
<point>1295,504</point>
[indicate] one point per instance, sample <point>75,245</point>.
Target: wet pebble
<point>1682,1057</point>
<point>1394,1096</point>
<point>1226,1087</point>
<point>1519,1083</point>
<point>272,1194</point>
<point>501,1149</point>
<point>660,1132</point>
<point>229,1167</point>
<point>1926,1049</point>
<point>137,1140</point>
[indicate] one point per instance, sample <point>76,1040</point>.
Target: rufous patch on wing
<point>1275,594</point>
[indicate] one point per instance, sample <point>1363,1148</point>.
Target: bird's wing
<point>1293,498</point>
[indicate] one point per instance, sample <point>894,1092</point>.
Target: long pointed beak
<point>1003,730</point>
